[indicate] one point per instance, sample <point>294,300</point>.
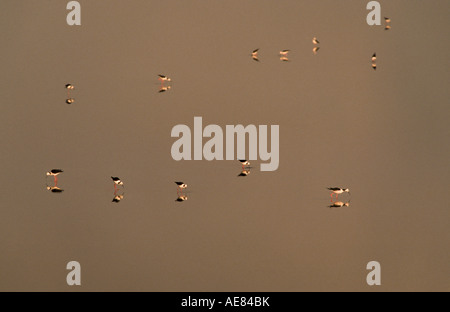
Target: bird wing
<point>255,50</point>
<point>333,188</point>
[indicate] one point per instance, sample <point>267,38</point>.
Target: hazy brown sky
<point>384,134</point>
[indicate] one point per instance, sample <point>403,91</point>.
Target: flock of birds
<point>119,186</point>
<point>165,86</point>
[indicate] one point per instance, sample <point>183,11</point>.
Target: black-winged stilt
<point>337,191</point>
<point>54,173</point>
<point>55,189</point>
<point>244,173</point>
<point>284,52</point>
<point>315,41</point>
<point>315,49</point>
<point>181,186</point>
<point>374,61</point>
<point>69,87</point>
<point>164,89</point>
<point>255,55</point>
<point>117,181</point>
<point>244,163</point>
<point>387,20</point>
<point>163,78</point>
<point>117,198</point>
<point>339,204</point>
<point>70,100</point>
<point>181,198</point>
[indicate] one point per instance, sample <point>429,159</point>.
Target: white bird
<point>315,41</point>
<point>284,52</point>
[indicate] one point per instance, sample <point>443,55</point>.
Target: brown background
<point>384,134</point>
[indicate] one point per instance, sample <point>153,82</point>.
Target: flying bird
<point>337,191</point>
<point>255,55</point>
<point>54,173</point>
